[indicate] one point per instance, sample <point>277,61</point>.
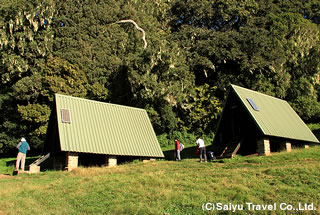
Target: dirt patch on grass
<point>3,176</point>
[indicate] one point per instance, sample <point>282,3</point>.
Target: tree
<point>25,42</point>
<point>195,49</point>
<point>35,95</point>
<point>262,45</point>
<point>203,110</point>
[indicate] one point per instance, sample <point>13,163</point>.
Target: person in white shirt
<point>202,149</point>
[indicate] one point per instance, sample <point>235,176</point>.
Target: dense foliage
<point>195,49</point>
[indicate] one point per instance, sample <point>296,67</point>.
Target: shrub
<point>167,140</point>
<point>315,128</point>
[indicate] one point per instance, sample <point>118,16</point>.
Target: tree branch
<point>138,28</point>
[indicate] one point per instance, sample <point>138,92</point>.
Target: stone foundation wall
<point>146,160</point>
<point>286,146</point>
<point>34,169</point>
<point>263,146</point>
<point>111,160</point>
<point>72,161</point>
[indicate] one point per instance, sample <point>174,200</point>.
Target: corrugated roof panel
<point>275,116</point>
<point>104,128</point>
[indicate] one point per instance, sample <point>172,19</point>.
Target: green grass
<point>7,165</point>
<point>168,187</point>
<point>4,169</point>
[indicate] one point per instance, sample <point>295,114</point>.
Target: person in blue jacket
<point>23,146</point>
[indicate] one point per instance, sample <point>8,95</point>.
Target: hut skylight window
<point>65,116</point>
<point>253,105</point>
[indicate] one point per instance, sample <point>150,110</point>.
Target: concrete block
<point>34,169</point>
<point>71,161</point>
<point>146,160</point>
<point>111,160</point>
<point>285,146</point>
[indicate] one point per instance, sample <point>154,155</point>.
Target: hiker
<point>202,149</point>
<point>23,146</point>
<point>177,150</point>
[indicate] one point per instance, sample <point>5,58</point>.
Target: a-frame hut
<point>255,123</point>
<point>81,130</point>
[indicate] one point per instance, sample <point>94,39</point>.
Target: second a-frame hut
<point>255,123</point>
<point>82,130</point>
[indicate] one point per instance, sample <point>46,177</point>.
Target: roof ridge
<point>104,103</point>
<point>256,92</point>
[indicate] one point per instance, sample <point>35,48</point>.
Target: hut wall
<point>263,146</point>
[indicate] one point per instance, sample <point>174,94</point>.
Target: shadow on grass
<point>47,165</point>
<point>187,153</point>
<point>29,161</point>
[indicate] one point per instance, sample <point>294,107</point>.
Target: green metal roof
<point>103,128</point>
<point>274,117</point>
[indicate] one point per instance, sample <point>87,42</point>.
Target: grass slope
<point>7,169</point>
<point>168,187</point>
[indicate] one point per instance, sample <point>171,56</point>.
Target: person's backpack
<point>211,156</point>
<point>181,146</point>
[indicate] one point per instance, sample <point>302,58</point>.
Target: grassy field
<point>4,168</point>
<point>167,187</point>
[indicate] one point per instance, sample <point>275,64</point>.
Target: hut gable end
<point>249,116</point>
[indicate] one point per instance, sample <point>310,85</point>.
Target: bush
<point>167,140</point>
<point>163,140</point>
<point>315,128</point>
